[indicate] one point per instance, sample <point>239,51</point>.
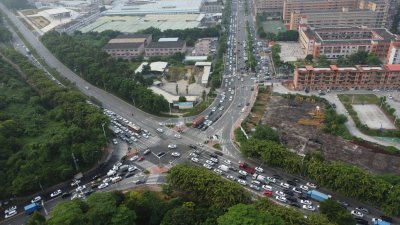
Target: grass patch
<point>175,73</point>
<point>359,99</point>
<point>39,21</point>
<point>199,108</point>
<point>134,65</point>
<point>258,109</point>
<point>188,124</point>
<point>217,146</point>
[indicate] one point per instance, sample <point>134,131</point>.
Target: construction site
<point>300,121</point>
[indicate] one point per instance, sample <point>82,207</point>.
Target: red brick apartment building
<point>386,77</point>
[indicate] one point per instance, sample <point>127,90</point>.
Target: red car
<point>267,193</point>
<point>141,159</point>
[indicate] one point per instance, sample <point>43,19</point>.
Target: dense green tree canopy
<point>336,213</point>
<point>241,214</point>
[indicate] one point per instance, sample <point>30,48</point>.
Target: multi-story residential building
<point>127,46</point>
<point>393,56</point>
<point>268,6</point>
<point>385,77</point>
<point>305,6</point>
<point>381,7</point>
<point>341,42</point>
<point>165,47</point>
<point>328,18</point>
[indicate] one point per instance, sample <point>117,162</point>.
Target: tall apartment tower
<point>381,7</point>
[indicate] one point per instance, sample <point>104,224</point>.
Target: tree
<point>309,58</point>
<point>248,214</point>
<point>264,132</point>
<point>336,213</point>
<point>182,99</point>
<point>146,69</point>
<point>36,219</point>
<point>203,95</point>
<point>123,216</point>
<point>68,213</point>
<point>102,207</point>
<point>323,61</point>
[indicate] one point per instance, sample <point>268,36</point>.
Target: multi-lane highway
<point>233,103</point>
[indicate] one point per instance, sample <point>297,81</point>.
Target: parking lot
<point>373,117</point>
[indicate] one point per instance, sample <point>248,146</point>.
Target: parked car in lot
<point>176,154</point>
<point>280,198</point>
<point>208,166</point>
<point>196,160</point>
<point>103,185</point>
<point>36,199</point>
<point>357,213</point>
<point>242,182</point>
<point>309,207</point>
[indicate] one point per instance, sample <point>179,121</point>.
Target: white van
<point>116,179</point>
<point>111,173</point>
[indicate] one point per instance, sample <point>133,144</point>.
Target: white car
<point>271,179</point>
<point>80,188</point>
<point>280,198</point>
<point>171,146</point>
<point>242,182</point>
<point>214,160</point>
<point>280,193</point>
<point>36,199</point>
<point>161,123</point>
<point>160,130</point>
<point>306,202</point>
<point>103,185</point>
<point>115,142</point>
<point>176,154</point>
<point>309,207</point>
<point>132,168</point>
<point>267,187</point>
<point>118,164</point>
<point>218,171</point>
<point>284,185</point>
<point>208,166</point>
<point>10,214</point>
<point>256,182</point>
<point>227,162</point>
<point>311,185</point>
<point>244,173</point>
<point>12,208</point>
<point>357,213</point>
<point>304,187</point>
<point>194,159</point>
<point>75,182</point>
<point>56,193</point>
<point>135,157</point>
<point>230,177</point>
<point>214,109</point>
<point>297,190</point>
<point>107,180</point>
<point>259,169</point>
<point>255,187</point>
<point>209,162</point>
<point>177,136</point>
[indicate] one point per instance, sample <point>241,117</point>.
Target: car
<point>55,193</point>
<point>303,196</point>
<point>214,109</point>
<point>171,146</point>
<point>227,162</point>
<point>280,193</point>
<point>211,163</point>
<point>80,188</point>
<point>176,154</point>
<point>133,158</point>
<point>266,187</point>
<point>160,154</point>
<point>254,187</point>
<point>208,166</point>
<point>65,195</point>
<point>75,182</point>
<point>284,185</point>
<point>271,179</point>
<point>161,123</point>
<point>215,160</point>
<point>267,193</point>
<point>277,177</point>
<point>256,182</point>
<point>361,221</point>
<point>10,214</point>
<point>291,182</point>
<point>280,198</point>
<point>103,185</point>
<point>178,136</point>
<point>36,199</point>
<point>230,177</point>
<point>363,210</point>
<point>132,168</point>
<point>141,159</point>
<point>297,190</point>
<point>147,151</point>
<point>259,169</point>
<point>291,198</point>
<point>218,153</point>
<point>305,202</point>
<point>12,208</point>
<point>242,182</point>
<point>309,207</point>
<point>194,159</point>
<point>294,204</point>
<point>115,142</point>
<point>118,164</point>
<point>343,203</point>
<point>288,192</point>
<point>304,187</point>
<point>218,171</point>
<point>192,146</point>
<point>242,172</point>
<point>160,130</point>
<point>357,213</point>
<point>311,185</point>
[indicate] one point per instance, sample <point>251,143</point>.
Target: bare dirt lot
<point>373,116</point>
<point>285,115</point>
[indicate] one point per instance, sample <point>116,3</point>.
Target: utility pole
<point>75,162</point>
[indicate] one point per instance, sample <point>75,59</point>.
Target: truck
<point>318,196</point>
<point>29,209</point>
<point>223,168</point>
<point>199,120</point>
<point>379,222</point>
<point>260,178</point>
<point>244,166</point>
<point>134,128</point>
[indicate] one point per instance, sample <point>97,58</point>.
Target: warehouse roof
<point>168,44</point>
<point>132,45</point>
